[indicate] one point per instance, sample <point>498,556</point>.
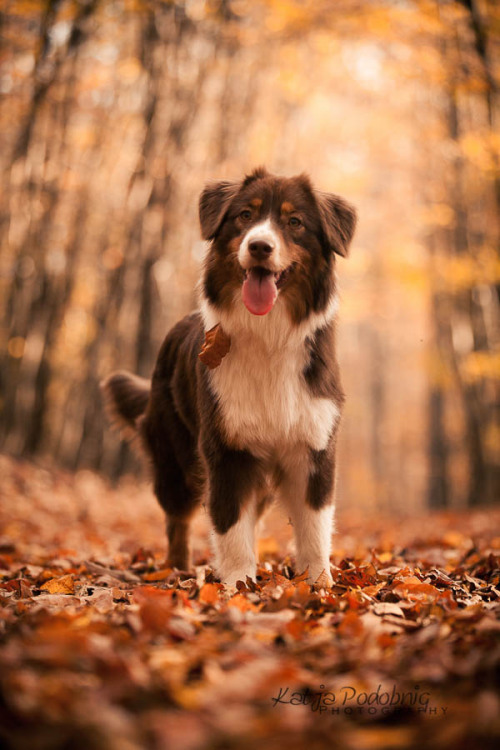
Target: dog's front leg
<point>233,485</point>
<point>313,531</point>
<point>235,548</point>
<point>307,492</point>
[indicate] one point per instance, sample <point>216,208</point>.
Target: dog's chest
<point>265,402</point>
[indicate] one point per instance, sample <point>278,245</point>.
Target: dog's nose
<point>259,249</point>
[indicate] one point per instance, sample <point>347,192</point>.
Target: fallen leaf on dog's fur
<point>215,347</point>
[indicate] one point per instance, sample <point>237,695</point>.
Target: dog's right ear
<point>214,202</point>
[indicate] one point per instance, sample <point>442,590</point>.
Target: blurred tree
<point>461,314</point>
<point>113,117</point>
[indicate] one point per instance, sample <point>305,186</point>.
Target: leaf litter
<point>104,646</point>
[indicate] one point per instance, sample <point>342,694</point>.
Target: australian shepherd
<point>245,399</point>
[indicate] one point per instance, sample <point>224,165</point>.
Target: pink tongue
<point>259,292</point>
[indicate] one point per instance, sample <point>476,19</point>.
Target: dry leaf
<point>215,347</point>
<point>176,647</point>
<point>158,575</point>
<point>209,593</point>
<point>63,585</point>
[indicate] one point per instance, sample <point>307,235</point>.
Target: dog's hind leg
<point>178,542</point>
<point>179,501</point>
<point>178,480</point>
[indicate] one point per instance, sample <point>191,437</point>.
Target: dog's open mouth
<point>260,288</point>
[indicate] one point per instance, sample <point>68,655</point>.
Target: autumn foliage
<point>104,647</point>
<point>113,116</point>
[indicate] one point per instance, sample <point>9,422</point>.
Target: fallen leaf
<point>351,625</point>
<point>388,608</point>
<point>63,585</point>
<point>209,593</point>
<point>242,603</point>
<point>296,628</point>
<point>157,575</point>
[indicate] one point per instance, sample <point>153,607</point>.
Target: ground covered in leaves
<point>102,647</point>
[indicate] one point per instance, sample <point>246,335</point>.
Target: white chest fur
<point>260,386</point>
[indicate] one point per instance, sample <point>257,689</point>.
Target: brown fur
<point>177,416</point>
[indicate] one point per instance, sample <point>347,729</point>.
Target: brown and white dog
<point>261,417</point>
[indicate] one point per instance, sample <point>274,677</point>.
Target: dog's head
<point>273,236</point>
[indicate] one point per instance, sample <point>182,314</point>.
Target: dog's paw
<point>229,591</point>
<point>323,581</point>
<point>230,580</point>
<point>318,573</point>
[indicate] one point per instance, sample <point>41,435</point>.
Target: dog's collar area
<point>215,347</point>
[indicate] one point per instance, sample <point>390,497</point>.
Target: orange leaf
<point>295,628</point>
<point>351,625</point>
<point>414,590</point>
<point>385,640</point>
<point>158,575</point>
<point>409,580</point>
<point>302,577</point>
<point>209,594</point>
<point>384,557</point>
<point>302,592</point>
<point>155,607</point>
<point>242,603</point>
<point>373,590</point>
<point>146,593</point>
<point>63,585</point>
<point>352,599</point>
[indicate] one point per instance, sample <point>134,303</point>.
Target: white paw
<point>324,580</point>
<point>319,573</point>
<point>230,579</point>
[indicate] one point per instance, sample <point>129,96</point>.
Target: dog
<point>245,398</point>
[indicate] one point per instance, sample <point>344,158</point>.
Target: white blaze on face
<point>259,291</point>
<point>264,231</point>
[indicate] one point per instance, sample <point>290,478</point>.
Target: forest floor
<point>103,648</point>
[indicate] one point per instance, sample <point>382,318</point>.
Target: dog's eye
<point>295,222</point>
<point>246,214</point>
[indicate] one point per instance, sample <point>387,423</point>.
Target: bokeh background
<point>114,114</point>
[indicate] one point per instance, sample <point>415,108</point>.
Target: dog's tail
<point>126,398</point>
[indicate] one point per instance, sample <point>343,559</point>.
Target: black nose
<point>259,249</point>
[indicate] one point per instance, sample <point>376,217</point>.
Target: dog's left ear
<point>339,221</point>
<point>214,202</point>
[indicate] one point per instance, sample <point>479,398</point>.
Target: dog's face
<point>273,236</point>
